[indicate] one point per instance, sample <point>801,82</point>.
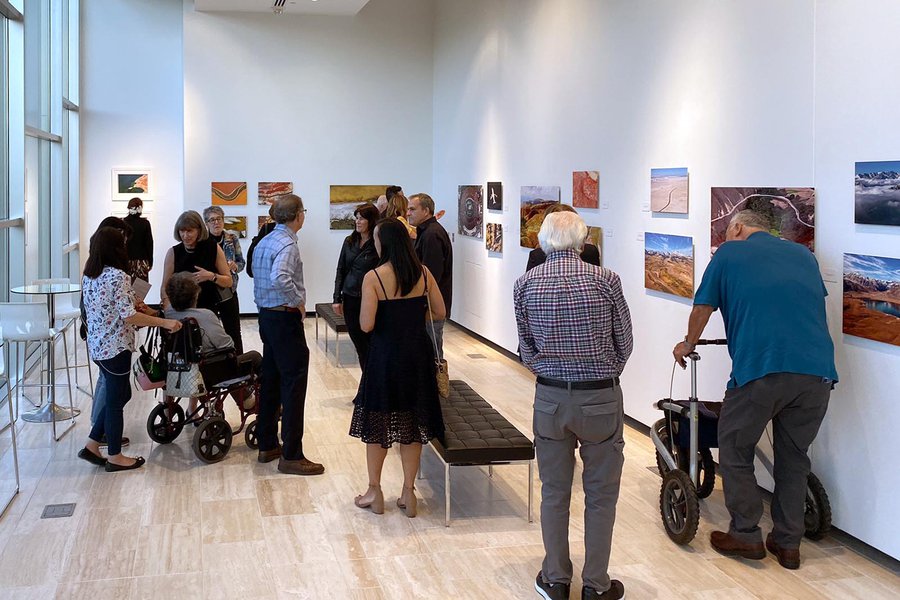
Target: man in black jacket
<point>434,250</point>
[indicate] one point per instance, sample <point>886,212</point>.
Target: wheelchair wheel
<point>679,507</point>
<point>165,423</point>
<point>818,509</point>
<point>250,436</point>
<point>212,440</point>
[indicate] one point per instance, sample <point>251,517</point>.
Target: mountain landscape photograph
<point>872,297</point>
<point>669,264</point>
<point>535,200</point>
<point>877,193</point>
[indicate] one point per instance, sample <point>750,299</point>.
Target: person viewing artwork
<point>575,334</point>
<point>263,232</point>
<point>397,400</point>
<point>397,208</point>
<point>280,295</point>
<point>200,256</point>
<point>358,257</point>
<point>109,304</point>
<point>140,242</point>
<point>435,251</point>
<point>589,252</point>
<point>772,298</point>
<point>229,310</point>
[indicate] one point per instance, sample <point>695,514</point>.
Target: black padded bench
<point>477,435</point>
<point>336,323</point>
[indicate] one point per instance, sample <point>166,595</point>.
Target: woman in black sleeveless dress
<point>398,398</point>
<point>201,257</point>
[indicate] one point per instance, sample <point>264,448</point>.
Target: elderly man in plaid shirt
<point>575,335</point>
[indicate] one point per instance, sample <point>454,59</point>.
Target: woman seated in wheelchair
<point>183,293</point>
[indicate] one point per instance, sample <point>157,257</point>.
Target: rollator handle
<point>720,342</point>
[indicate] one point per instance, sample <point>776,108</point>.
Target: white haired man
<point>575,335</point>
<point>782,370</point>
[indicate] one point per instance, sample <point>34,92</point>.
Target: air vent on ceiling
<point>278,6</point>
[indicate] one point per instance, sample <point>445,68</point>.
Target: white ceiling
<point>292,7</point>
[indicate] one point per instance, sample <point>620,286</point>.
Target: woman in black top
<point>139,242</point>
<point>358,257</point>
<point>200,256</point>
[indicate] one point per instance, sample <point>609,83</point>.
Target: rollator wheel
<point>663,433</point>
<point>707,468</point>
<point>818,509</point>
<point>212,440</point>
<point>679,507</point>
<point>165,423</point>
<point>250,436</point>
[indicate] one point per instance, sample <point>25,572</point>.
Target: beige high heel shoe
<point>410,504</point>
<point>376,504</point>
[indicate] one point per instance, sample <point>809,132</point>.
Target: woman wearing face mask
<point>140,241</point>
<point>358,257</point>
<point>200,256</point>
<point>229,310</point>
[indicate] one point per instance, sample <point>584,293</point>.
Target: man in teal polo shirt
<point>772,300</point>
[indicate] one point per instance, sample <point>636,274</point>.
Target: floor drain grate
<point>56,511</point>
<point>476,355</point>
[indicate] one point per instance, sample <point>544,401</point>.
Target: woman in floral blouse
<point>112,318</point>
<point>230,310</point>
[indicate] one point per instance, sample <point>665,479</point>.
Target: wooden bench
<point>477,435</point>
<point>336,323</point>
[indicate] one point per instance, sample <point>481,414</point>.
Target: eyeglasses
<point>215,220</point>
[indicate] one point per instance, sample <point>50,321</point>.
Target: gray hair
<point>562,231</point>
<point>287,208</point>
<point>752,218</point>
<point>213,209</point>
<point>425,201</point>
<point>182,291</point>
<point>191,219</point>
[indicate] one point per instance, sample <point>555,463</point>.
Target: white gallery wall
<point>132,112</point>
<point>312,100</point>
<point>742,94</point>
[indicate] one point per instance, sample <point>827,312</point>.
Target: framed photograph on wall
<point>132,182</point>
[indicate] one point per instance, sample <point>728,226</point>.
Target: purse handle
<point>433,336</point>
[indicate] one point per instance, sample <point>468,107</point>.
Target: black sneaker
<point>103,442</point>
<point>551,591</point>
<point>615,592</point>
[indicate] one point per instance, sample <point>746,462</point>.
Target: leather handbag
<point>185,384</point>
<point>441,368</point>
<point>184,379</point>
<point>150,367</point>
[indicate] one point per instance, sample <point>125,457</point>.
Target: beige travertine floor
<point>179,528</point>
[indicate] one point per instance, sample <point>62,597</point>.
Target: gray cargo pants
<point>796,405</point>
<point>563,420</point>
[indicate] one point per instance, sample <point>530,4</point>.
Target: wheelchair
<point>683,439</point>
<point>213,435</point>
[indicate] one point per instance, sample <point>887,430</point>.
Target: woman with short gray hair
<point>229,310</point>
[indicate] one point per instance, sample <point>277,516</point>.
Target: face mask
<point>135,210</point>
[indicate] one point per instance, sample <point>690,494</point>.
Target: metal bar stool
<point>27,323</point>
<point>11,426</point>
<point>68,315</point>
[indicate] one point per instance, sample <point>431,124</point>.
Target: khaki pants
<point>563,421</point>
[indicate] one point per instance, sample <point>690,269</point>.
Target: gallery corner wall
<point>742,94</point>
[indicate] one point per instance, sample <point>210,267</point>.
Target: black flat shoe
<point>85,454</point>
<point>138,463</point>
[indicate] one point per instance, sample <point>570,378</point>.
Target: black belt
<point>290,309</point>
<point>594,384</point>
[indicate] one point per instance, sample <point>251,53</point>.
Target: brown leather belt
<point>596,384</point>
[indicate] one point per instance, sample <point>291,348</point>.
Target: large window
<point>4,157</point>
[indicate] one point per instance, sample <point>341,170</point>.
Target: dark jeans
<point>117,393</point>
<point>230,314</point>
<point>283,379</point>
<point>360,339</point>
<point>796,405</point>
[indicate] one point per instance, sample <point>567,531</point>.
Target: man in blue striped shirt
<point>280,296</point>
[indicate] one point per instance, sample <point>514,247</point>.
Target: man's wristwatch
<point>690,345</point>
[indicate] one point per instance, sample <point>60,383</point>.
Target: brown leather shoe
<point>305,466</point>
<point>789,558</point>
<point>724,543</point>
<point>269,455</point>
